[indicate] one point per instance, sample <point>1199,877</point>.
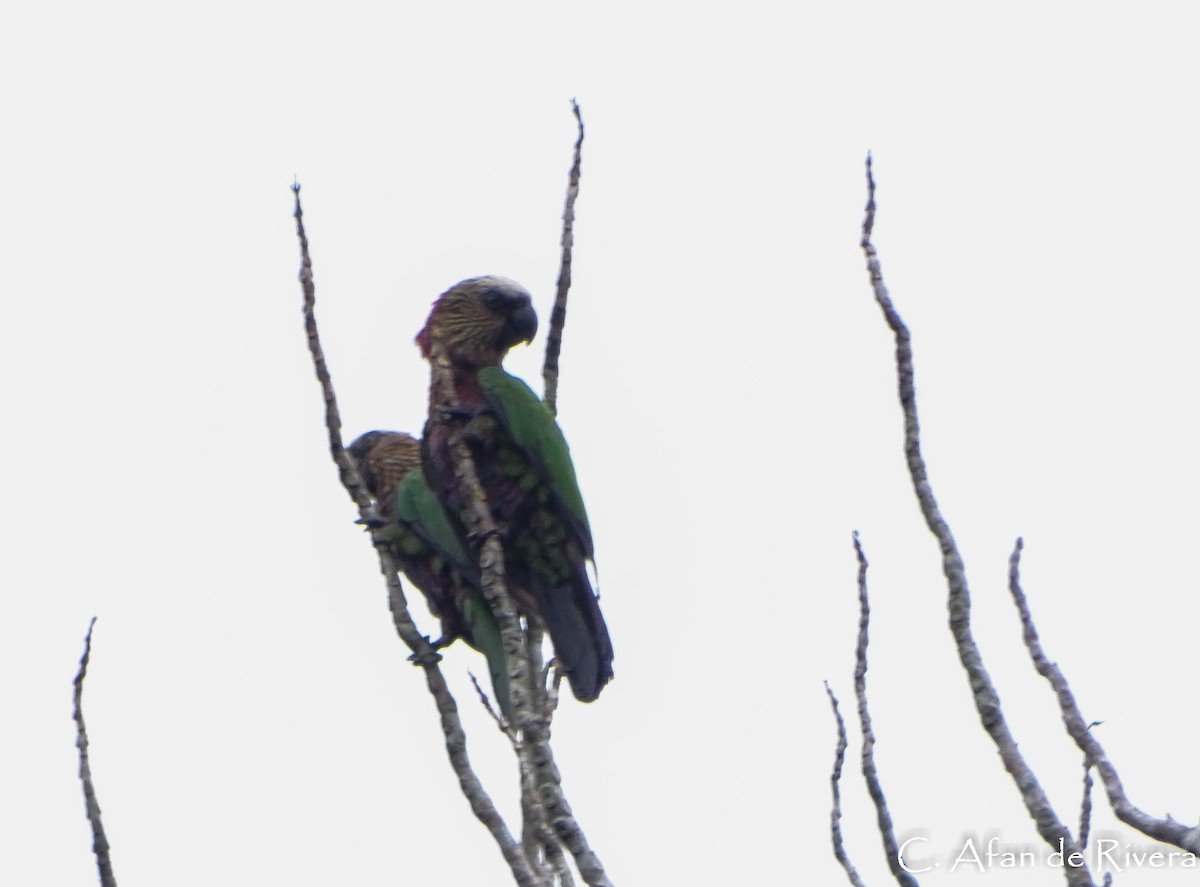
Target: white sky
<point>727,389</point>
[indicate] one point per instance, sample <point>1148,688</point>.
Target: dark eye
<point>494,298</point>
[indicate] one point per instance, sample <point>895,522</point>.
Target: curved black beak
<point>522,325</point>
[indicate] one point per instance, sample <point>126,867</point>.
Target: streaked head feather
<point>479,320</point>
<point>384,458</point>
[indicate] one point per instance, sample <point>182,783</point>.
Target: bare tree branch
<point>99,840</point>
<point>486,702</point>
<point>540,840</point>
<point>540,844</point>
<point>423,652</point>
<point>534,748</point>
<point>456,738</point>
<point>987,701</point>
<point>558,316</point>
<point>870,774</point>
<point>1085,806</point>
<point>1166,830</point>
<point>537,837</point>
<point>347,470</point>
<point>558,861</point>
<point>549,822</point>
<point>537,733</point>
<point>481,525</point>
<point>561,817</point>
<point>835,779</point>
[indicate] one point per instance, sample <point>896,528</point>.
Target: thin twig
<point>1085,806</point>
<point>558,316</point>
<point>554,676</point>
<point>987,701</point>
<point>99,840</point>
<point>870,774</point>
<point>486,702</point>
<point>423,652</point>
<point>537,738</point>
<point>347,470</point>
<point>1167,830</point>
<point>835,779</point>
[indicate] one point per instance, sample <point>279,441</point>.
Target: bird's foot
<point>372,522</point>
<point>426,658</point>
<point>478,539</point>
<point>464,414</point>
<point>386,534</point>
<point>446,640</point>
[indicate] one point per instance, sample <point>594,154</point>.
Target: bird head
<point>479,320</point>
<point>384,458</point>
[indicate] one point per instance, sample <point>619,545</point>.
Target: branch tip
<point>100,846</point>
<point>1166,830</point>
<point>558,314</point>
<point>958,604</point>
<point>451,724</point>
<point>835,778</point>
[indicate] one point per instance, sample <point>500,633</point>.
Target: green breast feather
<point>535,431</point>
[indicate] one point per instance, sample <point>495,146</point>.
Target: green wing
<point>418,507</point>
<point>535,431</point>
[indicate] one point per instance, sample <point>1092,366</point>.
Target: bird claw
<point>445,640</point>
<point>463,413</point>
<point>384,532</point>
<point>479,538</point>
<point>372,522</point>
<point>433,657</point>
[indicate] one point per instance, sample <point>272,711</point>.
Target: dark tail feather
<point>581,642</point>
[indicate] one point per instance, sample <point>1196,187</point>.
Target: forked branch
<point>1166,830</point>
<point>549,822</point>
<point>870,773</point>
<point>984,695</point>
<point>423,652</point>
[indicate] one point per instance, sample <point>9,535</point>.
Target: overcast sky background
<point>727,388</point>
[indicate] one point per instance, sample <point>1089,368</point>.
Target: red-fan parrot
<point>525,469</point>
<point>426,547</point>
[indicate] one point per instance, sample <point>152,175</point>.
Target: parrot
<point>524,467</point>
<point>425,546</point>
